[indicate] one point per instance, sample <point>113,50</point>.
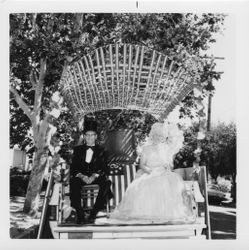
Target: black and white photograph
<point>123,124</point>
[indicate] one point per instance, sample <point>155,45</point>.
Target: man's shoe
<point>72,218</point>
<point>91,220</point>
<point>81,221</point>
<point>92,217</point>
<point>80,216</point>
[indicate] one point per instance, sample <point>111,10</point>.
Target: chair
<point>121,174</point>
<point>121,149</point>
<point>199,190</point>
<point>89,194</point>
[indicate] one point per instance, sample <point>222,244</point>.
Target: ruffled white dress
<point>158,197</point>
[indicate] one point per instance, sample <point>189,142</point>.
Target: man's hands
<point>86,179</point>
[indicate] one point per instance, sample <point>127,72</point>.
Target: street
<point>223,222</point>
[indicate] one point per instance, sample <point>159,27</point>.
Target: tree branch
<point>43,69</point>
<point>39,89</point>
<point>33,79</point>
<point>22,104</point>
<point>78,22</point>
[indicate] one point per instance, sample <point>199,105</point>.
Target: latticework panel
<point>125,76</point>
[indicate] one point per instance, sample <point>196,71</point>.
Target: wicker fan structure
<point>125,76</point>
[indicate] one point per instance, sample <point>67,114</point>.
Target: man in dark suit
<point>89,166</point>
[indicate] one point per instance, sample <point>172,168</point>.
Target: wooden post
<point>209,124</point>
<point>45,205</point>
<point>207,216</point>
<point>209,113</point>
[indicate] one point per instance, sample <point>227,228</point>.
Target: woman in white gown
<point>157,195</point>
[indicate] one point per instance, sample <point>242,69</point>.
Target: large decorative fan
<point>125,76</point>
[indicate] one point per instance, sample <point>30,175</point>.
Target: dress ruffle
<point>159,197</point>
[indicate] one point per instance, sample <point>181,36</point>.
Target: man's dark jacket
<point>97,165</point>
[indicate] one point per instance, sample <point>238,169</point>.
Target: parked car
<point>215,195</point>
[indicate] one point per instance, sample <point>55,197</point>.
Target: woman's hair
<point>158,129</point>
<point>175,137</point>
<point>170,133</point>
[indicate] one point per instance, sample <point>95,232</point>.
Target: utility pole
<point>209,112</point>
<point>208,126</point>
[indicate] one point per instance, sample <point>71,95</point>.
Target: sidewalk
<point>21,224</point>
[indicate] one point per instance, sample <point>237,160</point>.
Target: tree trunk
<point>32,200</point>
<point>42,141</point>
<point>43,131</point>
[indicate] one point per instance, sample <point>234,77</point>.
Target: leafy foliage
<point>65,37</point>
<point>19,127</point>
<point>220,145</point>
<point>185,157</point>
<point>218,150</point>
<point>18,182</point>
<point>139,122</point>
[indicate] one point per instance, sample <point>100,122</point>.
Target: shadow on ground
<point>222,218</point>
<point>21,225</point>
<point>223,223</point>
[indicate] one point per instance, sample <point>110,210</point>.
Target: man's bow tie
<point>91,147</point>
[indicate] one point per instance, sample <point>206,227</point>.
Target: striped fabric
<point>121,175</point>
<point>120,180</point>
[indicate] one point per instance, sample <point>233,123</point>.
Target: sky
<point>224,100</point>
<point>223,104</point>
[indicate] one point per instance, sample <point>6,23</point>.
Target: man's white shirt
<point>89,155</point>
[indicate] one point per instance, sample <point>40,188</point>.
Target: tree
<point>34,76</point>
<point>42,44</point>
<point>220,146</point>
<point>186,157</point>
<point>218,151</point>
